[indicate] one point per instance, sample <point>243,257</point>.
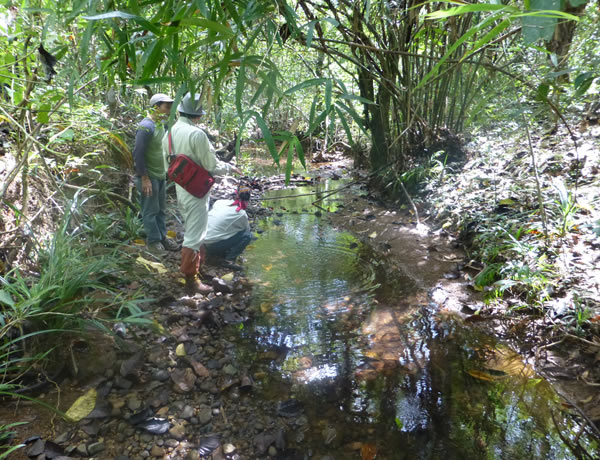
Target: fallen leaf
<point>368,452</point>
<point>227,277</point>
<point>83,406</point>
<point>156,266</point>
<point>199,368</point>
<point>171,234</point>
<point>481,375</point>
<point>180,350</point>
<point>184,380</point>
<point>373,235</point>
<point>268,267</point>
<point>265,307</point>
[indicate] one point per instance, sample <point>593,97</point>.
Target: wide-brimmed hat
<point>191,106</point>
<point>158,98</point>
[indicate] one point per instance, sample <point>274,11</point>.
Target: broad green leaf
<point>305,84</point>
<point>576,3</point>
<point>542,92</point>
<point>43,114</point>
<point>583,82</point>
<point>537,27</point>
<point>209,25</point>
<point>6,298</point>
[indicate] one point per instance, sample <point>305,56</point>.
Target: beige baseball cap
<point>158,98</point>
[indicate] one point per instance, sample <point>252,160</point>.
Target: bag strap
<point>171,155</point>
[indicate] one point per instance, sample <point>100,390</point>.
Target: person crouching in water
<point>190,140</point>
<point>228,231</point>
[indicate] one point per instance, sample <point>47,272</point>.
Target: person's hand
<point>236,170</point>
<point>146,186</point>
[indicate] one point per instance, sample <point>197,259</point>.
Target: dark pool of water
<point>388,378</point>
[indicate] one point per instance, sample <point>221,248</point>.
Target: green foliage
<point>565,208</point>
<point>70,294</point>
<point>6,435</point>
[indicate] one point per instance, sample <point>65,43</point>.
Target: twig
<point>537,352</point>
<point>593,344</point>
<point>410,201</point>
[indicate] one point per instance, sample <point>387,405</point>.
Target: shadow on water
<point>366,378</point>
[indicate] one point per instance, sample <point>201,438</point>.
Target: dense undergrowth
<point>527,255</point>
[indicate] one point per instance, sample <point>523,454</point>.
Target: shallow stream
<point>366,371</point>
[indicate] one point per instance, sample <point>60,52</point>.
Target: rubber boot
<point>193,285</point>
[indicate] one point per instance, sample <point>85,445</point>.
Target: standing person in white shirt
<point>228,232</point>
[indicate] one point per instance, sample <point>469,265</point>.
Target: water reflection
<point>394,379</point>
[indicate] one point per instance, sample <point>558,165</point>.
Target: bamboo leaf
<point>266,134</point>
<point>488,37</point>
<point>310,32</point>
<point>305,84</point>
<point>122,15</point>
<point>473,8</point>
<point>328,95</point>
<point>209,25</point>
<point>318,121</point>
<point>289,163</point>
<point>239,87</point>
<point>355,116</point>
<point>152,58</point>
<point>153,81</point>
<point>342,118</point>
<point>470,33</point>
<point>299,151</point>
<point>354,97</point>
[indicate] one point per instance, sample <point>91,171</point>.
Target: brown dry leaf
<point>368,451</point>
<point>481,375</point>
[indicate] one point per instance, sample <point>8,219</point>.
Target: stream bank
<point>340,341</point>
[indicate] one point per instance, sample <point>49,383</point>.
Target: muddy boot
<point>193,285</point>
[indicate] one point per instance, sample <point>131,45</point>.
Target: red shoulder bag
<point>188,174</point>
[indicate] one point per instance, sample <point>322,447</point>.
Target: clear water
<point>384,377</point>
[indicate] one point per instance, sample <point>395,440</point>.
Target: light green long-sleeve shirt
<point>188,139</point>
